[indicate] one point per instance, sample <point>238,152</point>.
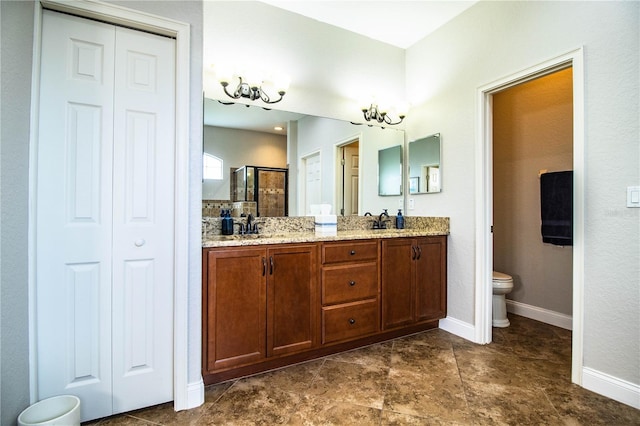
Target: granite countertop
<point>303,232</point>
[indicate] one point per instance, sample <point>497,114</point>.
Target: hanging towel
<point>556,208</point>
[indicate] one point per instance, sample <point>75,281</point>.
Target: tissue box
<point>326,225</point>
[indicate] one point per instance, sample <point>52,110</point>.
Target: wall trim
<point>611,387</point>
<point>540,314</point>
<point>195,393</point>
<point>459,328</point>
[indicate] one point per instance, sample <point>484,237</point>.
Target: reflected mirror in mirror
<point>425,168</point>
<point>390,171</point>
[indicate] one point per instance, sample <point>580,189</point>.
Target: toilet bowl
<point>502,284</point>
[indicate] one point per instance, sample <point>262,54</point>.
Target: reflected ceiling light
<point>251,86</point>
<point>376,113</point>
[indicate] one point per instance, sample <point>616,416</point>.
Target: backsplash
<point>211,226</point>
<point>212,208</point>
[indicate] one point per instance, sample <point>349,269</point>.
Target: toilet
<point>502,284</point>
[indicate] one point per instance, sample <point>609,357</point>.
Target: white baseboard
<point>611,387</point>
<point>195,394</point>
<point>540,314</point>
<point>459,328</point>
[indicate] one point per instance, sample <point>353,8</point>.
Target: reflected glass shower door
<point>272,192</point>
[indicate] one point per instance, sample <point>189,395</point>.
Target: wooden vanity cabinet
<point>349,290</point>
<point>272,305</point>
<point>258,303</point>
<point>413,280</point>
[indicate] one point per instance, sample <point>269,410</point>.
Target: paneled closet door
<point>143,218</point>
<point>104,216</point>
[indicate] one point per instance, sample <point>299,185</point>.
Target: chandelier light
<point>251,87</point>
<point>375,113</point>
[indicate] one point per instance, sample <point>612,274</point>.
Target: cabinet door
<point>235,304</point>
<point>431,278</point>
<point>291,297</point>
<point>398,269</point>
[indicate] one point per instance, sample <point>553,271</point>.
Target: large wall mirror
<point>425,166</point>
<point>310,148</point>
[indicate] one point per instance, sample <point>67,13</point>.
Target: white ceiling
<point>399,23</point>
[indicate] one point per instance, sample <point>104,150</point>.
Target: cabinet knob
<point>353,252</point>
<point>140,242</point>
<point>352,321</point>
<point>352,283</point>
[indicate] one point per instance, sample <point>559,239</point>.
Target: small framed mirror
<point>425,167</point>
<point>390,171</point>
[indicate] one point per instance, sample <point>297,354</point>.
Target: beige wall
<point>532,130</point>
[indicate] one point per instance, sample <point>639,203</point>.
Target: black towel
<point>556,208</point>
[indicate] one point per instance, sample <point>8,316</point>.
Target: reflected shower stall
<point>266,186</point>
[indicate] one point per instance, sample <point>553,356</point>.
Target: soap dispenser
<point>227,224</point>
<point>399,220</point>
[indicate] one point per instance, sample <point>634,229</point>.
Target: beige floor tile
<point>351,383</point>
<point>314,410</point>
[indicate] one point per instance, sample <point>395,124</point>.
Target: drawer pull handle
<point>352,252</point>
<point>352,321</point>
<point>352,283</point>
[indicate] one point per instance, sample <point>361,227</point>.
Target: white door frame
<point>184,397</point>
<point>484,197</point>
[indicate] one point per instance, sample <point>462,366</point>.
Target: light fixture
<point>251,87</point>
<point>375,113</point>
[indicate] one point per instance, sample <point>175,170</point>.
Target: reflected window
<point>212,167</point>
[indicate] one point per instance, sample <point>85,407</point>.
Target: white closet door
<point>74,216</point>
<point>104,282</point>
<point>143,216</point>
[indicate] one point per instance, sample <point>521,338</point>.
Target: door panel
<point>431,279</point>
<point>73,217</point>
<point>290,299</point>
<point>398,270</point>
<point>143,176</point>
<point>236,307</point>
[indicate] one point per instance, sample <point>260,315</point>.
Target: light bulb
<point>224,73</point>
<point>282,82</point>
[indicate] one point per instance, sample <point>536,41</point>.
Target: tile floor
<point>431,378</point>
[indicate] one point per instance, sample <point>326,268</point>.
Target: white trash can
<point>63,410</point>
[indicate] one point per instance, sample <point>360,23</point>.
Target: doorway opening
<point>533,145</point>
<point>348,178</point>
<point>484,195</point>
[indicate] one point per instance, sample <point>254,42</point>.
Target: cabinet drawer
<point>349,252</point>
<point>350,320</point>
<point>348,283</point>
